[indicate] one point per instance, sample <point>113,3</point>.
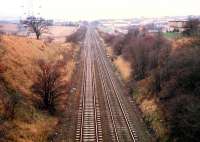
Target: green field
<point>171,35</point>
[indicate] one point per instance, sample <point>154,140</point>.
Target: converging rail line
<point>123,128</point>
<point>89,122</point>
<point>89,128</point>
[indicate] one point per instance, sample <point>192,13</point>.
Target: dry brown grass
<point>185,42</point>
<point>153,115</point>
<point>148,105</point>
<point>124,67</point>
<point>31,132</point>
<point>21,56</point>
<point>109,51</point>
<point>151,108</point>
<point>61,30</point>
<point>20,60</point>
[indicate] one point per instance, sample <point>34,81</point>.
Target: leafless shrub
<point>10,108</point>
<point>10,101</point>
<point>155,86</point>
<point>78,36</point>
<point>49,85</point>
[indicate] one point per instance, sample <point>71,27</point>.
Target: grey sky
<point>97,9</point>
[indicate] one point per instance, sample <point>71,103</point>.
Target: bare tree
<point>49,84</point>
<point>155,86</point>
<point>36,25</point>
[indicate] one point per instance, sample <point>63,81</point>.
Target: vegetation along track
<point>89,127</point>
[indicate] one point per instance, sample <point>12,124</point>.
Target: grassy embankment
<point>163,77</point>
<point>19,55</point>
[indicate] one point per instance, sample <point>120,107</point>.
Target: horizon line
<point>17,18</point>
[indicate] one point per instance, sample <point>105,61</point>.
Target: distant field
<point>171,35</point>
<point>59,33</point>
<point>9,28</point>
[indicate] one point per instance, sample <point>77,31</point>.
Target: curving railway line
<point>96,68</point>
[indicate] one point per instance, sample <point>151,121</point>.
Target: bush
<point>190,81</point>
<point>10,101</point>
<point>185,122</point>
<point>49,85</point>
<point>169,73</point>
<point>77,36</point>
<point>156,82</point>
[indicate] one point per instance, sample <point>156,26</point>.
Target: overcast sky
<point>99,9</point>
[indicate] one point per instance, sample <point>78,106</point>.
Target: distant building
<point>177,25</point>
<point>50,22</point>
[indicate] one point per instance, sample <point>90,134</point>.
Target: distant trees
<point>118,42</point>
<point>77,36</point>
<point>49,85</point>
<point>139,55</point>
<point>142,50</point>
<point>36,25</point>
<point>1,32</point>
<point>170,75</point>
<point>193,27</point>
<point>114,41</point>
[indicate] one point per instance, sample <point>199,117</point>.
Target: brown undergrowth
<point>26,122</point>
<point>164,81</point>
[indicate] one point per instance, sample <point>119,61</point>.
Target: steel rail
<point>108,72</point>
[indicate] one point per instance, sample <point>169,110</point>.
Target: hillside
<point>19,70</point>
<point>163,78</point>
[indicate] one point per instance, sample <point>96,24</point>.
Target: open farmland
<point>9,28</point>
<point>59,33</point>
<point>55,33</point>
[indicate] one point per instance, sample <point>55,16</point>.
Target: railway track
<point>89,121</point>
<point>89,126</point>
<point>123,128</point>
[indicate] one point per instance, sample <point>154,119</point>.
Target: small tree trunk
<point>38,36</point>
<point>46,101</point>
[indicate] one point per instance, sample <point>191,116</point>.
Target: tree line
<point>171,73</point>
